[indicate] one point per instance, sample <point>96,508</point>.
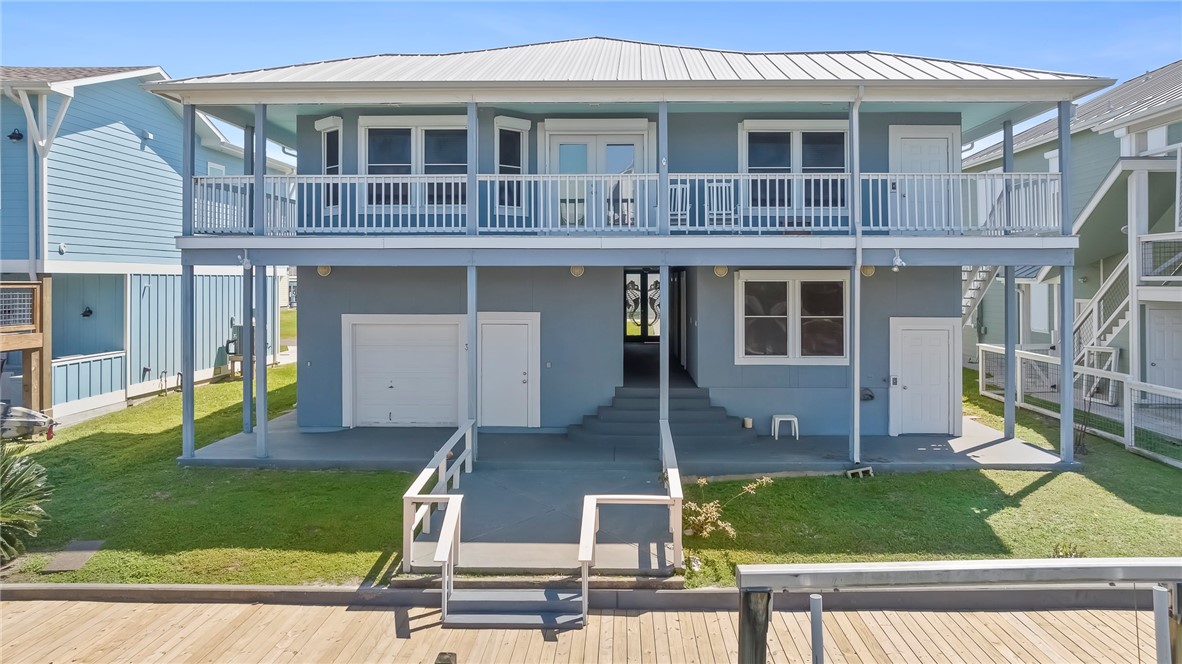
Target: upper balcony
<point>936,204</point>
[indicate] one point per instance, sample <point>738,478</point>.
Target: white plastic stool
<point>776,419</point>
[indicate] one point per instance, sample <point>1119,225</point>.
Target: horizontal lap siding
<point>86,377</point>
<point>155,322</point>
<point>14,185</point>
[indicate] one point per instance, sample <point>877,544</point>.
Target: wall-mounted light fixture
<point>577,271</point>
<point>16,136</point>
<point>898,262</point>
<point>867,270</point>
<point>324,270</point>
<point>720,271</point>
<point>87,312</point>
<point>1083,279</point>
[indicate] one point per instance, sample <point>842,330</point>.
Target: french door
<point>602,190</point>
<point>642,305</point>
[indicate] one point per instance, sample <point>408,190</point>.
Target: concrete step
<point>655,393</point>
<point>525,600</point>
<point>712,413</point>
<point>541,620</point>
<point>718,426</point>
<point>645,403</point>
<point>577,434</point>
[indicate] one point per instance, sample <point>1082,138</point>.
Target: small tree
<point>703,518</point>
<point>23,487</point>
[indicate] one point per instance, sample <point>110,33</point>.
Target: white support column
<point>1138,220</point>
<point>663,176</point>
<point>246,338</point>
<point>663,347</point>
<point>1066,296</point>
<point>260,172</point>
<point>1010,409</point>
<point>188,364</point>
<point>473,360</point>
<point>260,342</point>
<point>472,195</point>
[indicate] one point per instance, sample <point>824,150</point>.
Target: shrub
<point>703,518</point>
<point>23,487</point>
<point>1066,550</point>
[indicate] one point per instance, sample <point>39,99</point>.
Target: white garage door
<point>406,374</point>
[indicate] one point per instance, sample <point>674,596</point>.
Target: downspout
<point>856,222</point>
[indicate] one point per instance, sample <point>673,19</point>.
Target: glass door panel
<point>619,159</point>
<point>573,157</point>
<point>642,305</point>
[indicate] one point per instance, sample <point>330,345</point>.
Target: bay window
<point>791,317</point>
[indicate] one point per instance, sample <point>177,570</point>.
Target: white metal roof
<point>601,59</point>
<point>1151,91</point>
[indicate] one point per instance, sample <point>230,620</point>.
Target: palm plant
<point>23,487</point>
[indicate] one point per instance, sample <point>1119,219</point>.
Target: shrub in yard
<point>703,517</point>
<point>23,488</point>
<point>1066,550</point>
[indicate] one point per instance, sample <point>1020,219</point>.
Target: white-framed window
<point>793,146</point>
<point>214,169</point>
<point>330,155</point>
<point>791,317</point>
<point>511,153</point>
<point>413,145</point>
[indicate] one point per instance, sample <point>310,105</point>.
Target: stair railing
<point>418,501</point>
<point>447,550</point>
<point>1104,309</point>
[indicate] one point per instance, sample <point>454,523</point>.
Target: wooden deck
<point>129,632</point>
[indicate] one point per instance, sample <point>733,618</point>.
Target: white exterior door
<point>405,374</point>
<point>596,201</point>
<point>925,392</point>
<point>504,374</point>
<point>922,203</point>
<point>1163,346</point>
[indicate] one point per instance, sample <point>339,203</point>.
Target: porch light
<point>577,271</point>
<point>324,270</point>
<point>720,271</point>
<point>87,312</point>
<point>898,262</point>
<point>867,270</point>
<point>16,136</point>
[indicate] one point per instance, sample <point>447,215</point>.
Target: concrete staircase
<point>632,419</point>
<point>515,609</point>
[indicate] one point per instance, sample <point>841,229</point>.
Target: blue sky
<point>1115,39</point>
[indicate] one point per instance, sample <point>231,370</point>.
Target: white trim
<point>1164,294</point>
<point>214,169</point>
<point>522,128</point>
<point>1052,157</point>
<point>152,386</point>
<point>103,267</point>
<point>533,321</point>
<point>348,407</point>
<point>951,325</point>
<point>898,132</point>
<point>329,123</point>
<point>793,278</point>
<point>508,122</point>
<point>417,124</point>
<point>105,400</point>
<point>795,125</point>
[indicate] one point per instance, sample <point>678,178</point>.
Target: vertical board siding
<point>14,185</point>
<point>84,377</point>
<point>155,319</point>
<point>102,331</point>
<point>115,195</point>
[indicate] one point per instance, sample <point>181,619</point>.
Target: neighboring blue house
<point>515,235</point>
<point>1125,196</point>
<point>90,204</point>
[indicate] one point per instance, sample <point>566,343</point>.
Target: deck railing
<point>1161,257</point>
<point>20,304</point>
<point>605,205</point>
<point>418,502</point>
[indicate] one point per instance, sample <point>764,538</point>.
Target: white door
<point>923,199</point>
<point>504,374</point>
<point>406,374</point>
<point>1163,347</point>
<point>606,201</point>
<point>924,381</point>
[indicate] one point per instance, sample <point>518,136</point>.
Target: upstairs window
<point>409,146</point>
<point>794,146</point>
<point>330,156</point>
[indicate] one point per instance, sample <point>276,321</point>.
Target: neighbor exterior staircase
<point>631,419</point>
<point>974,282</point>
<point>1105,316</point>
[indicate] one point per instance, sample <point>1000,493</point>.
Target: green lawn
<point>287,328</point>
<point>1119,504</point>
<point>116,479</point>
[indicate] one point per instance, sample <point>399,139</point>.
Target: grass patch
<point>116,479</point>
<point>287,324</point>
<point>1119,504</point>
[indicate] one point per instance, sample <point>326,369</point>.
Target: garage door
<point>406,374</point>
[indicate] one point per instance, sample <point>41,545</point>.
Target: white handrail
<point>447,550</point>
<point>417,504</point>
<point>608,203</point>
<point>1091,312</point>
<point>759,202</point>
<point>959,203</point>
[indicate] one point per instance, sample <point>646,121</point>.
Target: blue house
<point>539,238</point>
<point>89,208</point>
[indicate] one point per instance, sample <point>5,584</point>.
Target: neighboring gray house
<point>1128,134</point>
<point>89,210</point>
<point>511,235</point>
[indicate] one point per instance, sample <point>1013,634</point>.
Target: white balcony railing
<point>725,203</point>
<point>1161,258</point>
<point>590,204</point>
<point>962,203</point>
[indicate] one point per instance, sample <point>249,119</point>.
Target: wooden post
<point>754,616</point>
